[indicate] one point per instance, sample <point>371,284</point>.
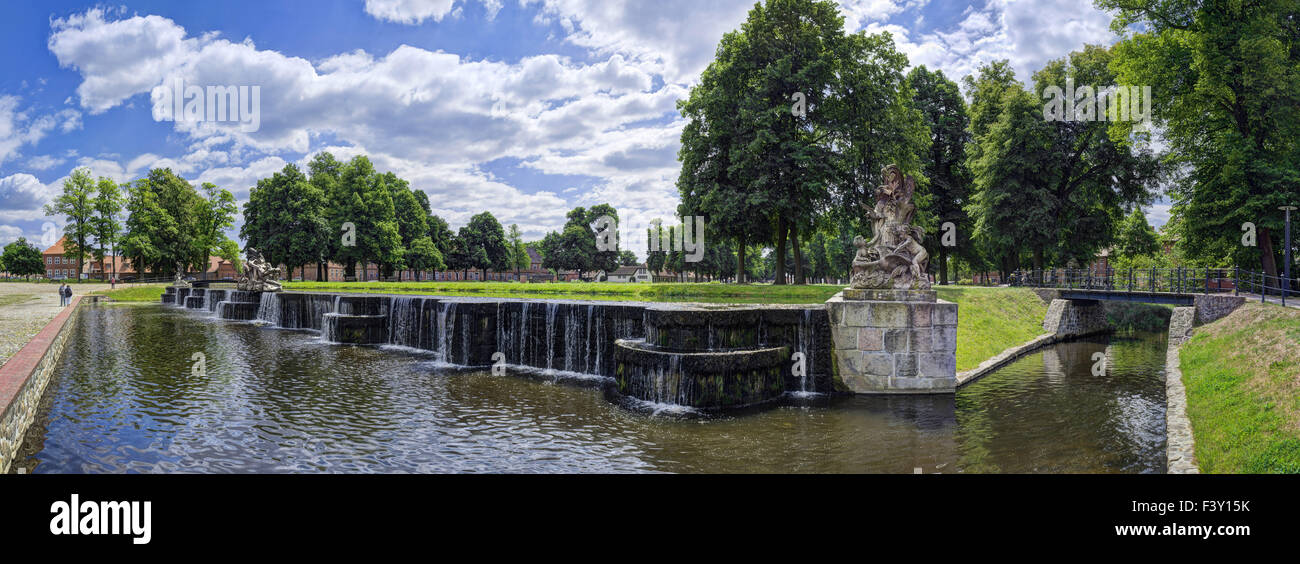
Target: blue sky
<point>525,108</point>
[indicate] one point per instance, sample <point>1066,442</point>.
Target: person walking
<point>63,299</point>
<point>67,294</point>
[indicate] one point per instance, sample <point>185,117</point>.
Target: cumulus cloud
<point>9,234</point>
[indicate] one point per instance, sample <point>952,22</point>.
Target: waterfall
<point>268,309</point>
<point>550,334</point>
<point>405,322</point>
<point>446,330</point>
<point>329,328</point>
<point>523,334</point>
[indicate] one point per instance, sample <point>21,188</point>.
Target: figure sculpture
<point>258,275</point>
<point>180,282</point>
<point>895,257</point>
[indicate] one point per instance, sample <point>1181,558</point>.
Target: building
<point>633,273</point>
<point>59,266</point>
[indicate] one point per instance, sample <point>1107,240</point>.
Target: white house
<point>634,273</point>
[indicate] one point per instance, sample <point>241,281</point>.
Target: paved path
<point>26,308</point>
<point>1291,301</point>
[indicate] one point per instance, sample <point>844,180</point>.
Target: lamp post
<point>1286,281</point>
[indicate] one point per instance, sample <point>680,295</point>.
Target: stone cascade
<point>574,337</point>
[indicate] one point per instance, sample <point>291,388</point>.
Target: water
<point>125,400</point>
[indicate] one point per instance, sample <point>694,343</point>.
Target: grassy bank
<point>991,320</point>
<point>141,293</point>
<point>1243,391</point>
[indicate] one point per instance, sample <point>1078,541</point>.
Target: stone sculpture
<point>258,275</point>
<point>894,258</point>
<point>180,282</point>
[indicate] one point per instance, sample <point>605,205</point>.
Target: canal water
<point>133,395</point>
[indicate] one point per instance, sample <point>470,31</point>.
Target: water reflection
<point>271,400</point>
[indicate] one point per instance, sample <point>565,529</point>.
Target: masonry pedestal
<point>893,341</point>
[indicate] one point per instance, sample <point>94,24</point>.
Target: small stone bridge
<point>1075,296</point>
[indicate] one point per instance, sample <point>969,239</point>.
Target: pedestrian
<point>67,293</point>
<point>63,297</point>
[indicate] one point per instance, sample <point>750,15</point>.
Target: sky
<point>525,108</point>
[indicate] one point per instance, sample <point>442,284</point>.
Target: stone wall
<point>1213,307</point>
<point>23,380</point>
<point>1181,324</point>
<point>894,346</point>
<point>1075,318</point>
<point>1180,446</point>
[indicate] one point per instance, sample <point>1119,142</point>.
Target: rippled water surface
<point>128,398</point>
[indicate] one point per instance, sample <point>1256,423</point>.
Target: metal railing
<point>1160,280</point>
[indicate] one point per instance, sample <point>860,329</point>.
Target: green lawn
<point>991,320</point>
<point>1243,391</point>
<point>141,293</point>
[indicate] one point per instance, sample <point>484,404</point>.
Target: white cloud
<point>45,162</point>
<point>9,234</point>
<point>16,129</point>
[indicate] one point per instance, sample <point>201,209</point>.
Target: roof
<point>56,248</point>
<point>627,270</point>
<point>533,255</point>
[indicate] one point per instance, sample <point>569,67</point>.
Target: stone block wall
<point>894,346</point>
<point>1075,318</point>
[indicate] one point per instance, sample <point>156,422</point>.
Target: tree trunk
<point>798,256</point>
<point>1269,261</point>
<point>943,265</point>
<point>740,263</point>
<point>778,275</point>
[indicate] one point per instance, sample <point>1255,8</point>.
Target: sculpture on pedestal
<point>180,282</point>
<point>258,275</point>
<point>894,258</point>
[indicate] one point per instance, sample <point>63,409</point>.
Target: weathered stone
<point>877,364</point>
<point>856,294</point>
<point>871,339</point>
<point>905,365</point>
<point>921,314</point>
<point>1075,318</point>
<point>887,314</point>
<point>897,340</point>
<point>944,313</point>
<point>1181,324</point>
<point>846,340</point>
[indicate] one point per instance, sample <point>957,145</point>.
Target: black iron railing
<point>1162,280</point>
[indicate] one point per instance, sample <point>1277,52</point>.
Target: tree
<point>214,212</point>
<point>412,218</point>
<point>105,225</point>
<point>1136,238</point>
<point>366,202</point>
<point>627,258</point>
<point>21,258</point>
<point>76,204</point>
<point>655,254</point>
<point>941,104</point>
<point>1227,75</point>
<point>443,240</point>
<point>485,244</point>
<point>519,258</point>
<point>325,174</point>
<point>161,222</point>
<point>285,219</point>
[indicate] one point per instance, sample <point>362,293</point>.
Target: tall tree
<point>285,219</point>
<point>519,258</point>
<point>76,204</point>
<point>443,240</point>
<point>485,244</point>
<point>941,104</point>
<point>1227,79</point>
<point>1136,238</point>
<point>162,222</point>
<point>325,174</point>
<point>106,225</point>
<point>214,213</point>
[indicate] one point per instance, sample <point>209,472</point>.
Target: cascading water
<point>550,335</point>
<point>268,309</point>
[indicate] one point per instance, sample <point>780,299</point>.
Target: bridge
<point>1199,295</point>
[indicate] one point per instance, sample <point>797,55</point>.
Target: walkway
<point>25,308</point>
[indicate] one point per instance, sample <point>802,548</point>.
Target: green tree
<point>161,223</point>
<point>519,258</point>
<point>106,224</point>
<point>214,213</point>
<point>365,201</point>
<point>285,219</point>
<point>443,240</point>
<point>1136,238</point>
<point>485,244</point>
<point>941,104</point>
<point>76,205</point>
<point>21,258</point>
<point>1226,76</point>
<point>325,174</point>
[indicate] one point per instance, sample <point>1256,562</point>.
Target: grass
<point>140,293</point>
<point>1243,391</point>
<point>15,299</point>
<point>991,320</point>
